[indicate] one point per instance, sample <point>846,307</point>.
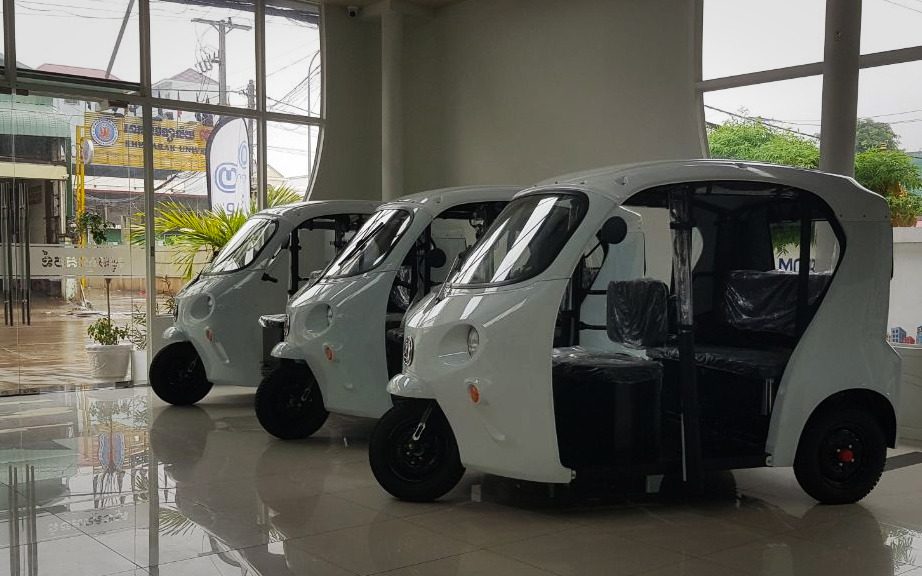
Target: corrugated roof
<point>26,120</point>
<point>76,71</point>
<point>188,75</point>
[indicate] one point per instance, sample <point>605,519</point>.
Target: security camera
<point>353,11</point>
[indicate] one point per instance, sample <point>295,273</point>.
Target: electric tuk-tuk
<point>343,332</point>
<point>215,336</point>
<point>742,327</point>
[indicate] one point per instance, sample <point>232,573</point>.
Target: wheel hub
<point>842,454</point>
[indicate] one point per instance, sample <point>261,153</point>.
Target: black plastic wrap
<point>746,362</point>
<point>577,364</point>
<point>637,312</point>
<point>273,332</point>
<point>393,351</point>
<point>766,301</point>
<point>606,408</point>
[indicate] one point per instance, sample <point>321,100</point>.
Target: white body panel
<point>234,354</point>
<point>511,431</point>
<point>354,381</point>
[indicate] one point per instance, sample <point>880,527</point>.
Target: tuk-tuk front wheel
<point>413,452</point>
<point>289,404</point>
<point>841,455</point>
<point>177,375</point>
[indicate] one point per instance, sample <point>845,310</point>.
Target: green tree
<point>871,135</point>
<point>754,141</point>
<point>892,174</point>
<point>889,172</point>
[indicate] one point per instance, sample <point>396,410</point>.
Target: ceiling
<point>427,3</point>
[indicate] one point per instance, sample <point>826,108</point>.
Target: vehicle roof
<point>442,198</point>
<point>314,208</point>
<point>848,199</point>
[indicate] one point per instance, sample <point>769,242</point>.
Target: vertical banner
<point>228,166</point>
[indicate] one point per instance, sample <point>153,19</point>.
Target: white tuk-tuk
<point>343,333</point>
<point>672,317</point>
<point>215,337</point>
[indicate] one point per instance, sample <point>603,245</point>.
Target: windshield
<point>371,244</point>
<point>244,247</point>
<point>523,240</point>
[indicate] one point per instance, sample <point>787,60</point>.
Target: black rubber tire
<point>387,453</point>
<point>859,432</point>
<point>177,375</point>
<point>289,404</point>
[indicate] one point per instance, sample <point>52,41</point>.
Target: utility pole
<point>224,27</point>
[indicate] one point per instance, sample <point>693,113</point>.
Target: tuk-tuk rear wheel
<point>415,463</point>
<point>289,404</point>
<point>841,455</point>
<point>177,375</point>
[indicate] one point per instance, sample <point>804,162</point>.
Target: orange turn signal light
<point>474,393</point>
<point>328,352</point>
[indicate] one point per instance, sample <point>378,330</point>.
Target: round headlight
<point>408,351</point>
<point>473,341</point>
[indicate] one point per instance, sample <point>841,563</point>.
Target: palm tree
<point>191,231</point>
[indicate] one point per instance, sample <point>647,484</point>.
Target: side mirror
<point>614,231</point>
<point>436,258</point>
<point>314,276</point>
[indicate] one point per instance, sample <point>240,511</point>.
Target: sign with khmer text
<point>118,141</point>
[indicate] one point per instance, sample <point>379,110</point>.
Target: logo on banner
<point>243,155</point>
<point>225,176</point>
<point>104,131</point>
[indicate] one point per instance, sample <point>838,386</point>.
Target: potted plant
<point>108,358</point>
<point>137,335</point>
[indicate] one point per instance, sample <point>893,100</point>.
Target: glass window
<point>890,24</point>
<point>371,245</point>
<point>728,47</point>
<point>525,238</point>
<point>244,247</point>
<point>194,48</point>
<point>104,34</point>
<point>290,153</point>
<point>790,108</point>
<point>293,78</point>
<point>890,95</point>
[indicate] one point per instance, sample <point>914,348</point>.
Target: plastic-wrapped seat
<point>607,404</point>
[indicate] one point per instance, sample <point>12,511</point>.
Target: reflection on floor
<point>112,482</point>
<point>49,355</point>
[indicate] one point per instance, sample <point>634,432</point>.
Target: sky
<point>83,33</point>
<point>743,36</point>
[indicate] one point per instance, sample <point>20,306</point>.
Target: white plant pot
<point>109,362</point>
<point>139,366</point>
<point>158,325</point>
<point>910,416</point>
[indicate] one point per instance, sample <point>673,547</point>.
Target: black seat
<point>758,309</point>
<point>746,362</point>
<point>607,404</point>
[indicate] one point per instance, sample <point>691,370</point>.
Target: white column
<point>391,104</point>
<point>840,86</point>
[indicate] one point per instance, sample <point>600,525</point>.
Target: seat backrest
<point>766,302</point>
<point>637,312</point>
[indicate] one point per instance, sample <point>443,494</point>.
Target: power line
<point>903,6</point>
<point>763,122</point>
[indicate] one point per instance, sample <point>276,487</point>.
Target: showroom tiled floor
<point>113,482</point>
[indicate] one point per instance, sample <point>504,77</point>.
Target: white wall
<point>510,91</point>
<point>514,91</point>
<point>906,285</point>
<point>350,154</point>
